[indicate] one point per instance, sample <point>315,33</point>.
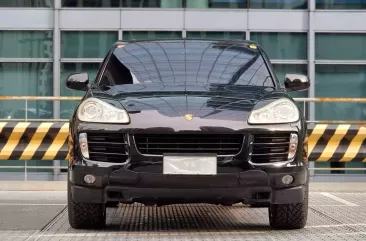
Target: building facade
<point>43,41</point>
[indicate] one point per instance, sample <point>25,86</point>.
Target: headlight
<point>95,110</point>
<point>279,111</point>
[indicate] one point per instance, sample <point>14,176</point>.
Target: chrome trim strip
<point>271,164</point>
<point>105,164</point>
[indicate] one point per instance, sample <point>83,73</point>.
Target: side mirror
<point>296,82</point>
<point>78,81</point>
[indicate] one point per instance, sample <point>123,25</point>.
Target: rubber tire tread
<point>85,215</point>
<point>289,216</point>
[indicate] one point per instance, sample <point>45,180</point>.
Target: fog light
<point>90,179</point>
<point>288,179</point>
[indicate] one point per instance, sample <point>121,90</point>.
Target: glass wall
<point>282,45</point>
<point>256,4</point>
<point>152,3</point>
<point>86,44</point>
<point>344,46</point>
<point>26,69</point>
<point>142,35</point>
<point>124,3</point>
<point>269,4</point>
<point>26,44</point>
<point>217,4</point>
<point>292,4</point>
<point>26,3</point>
<point>341,4</point>
<point>340,79</point>
<point>215,35</point>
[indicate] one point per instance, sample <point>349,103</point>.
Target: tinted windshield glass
<point>186,62</point>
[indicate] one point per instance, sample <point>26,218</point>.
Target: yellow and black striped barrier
<point>337,143</point>
<point>48,141</point>
<point>33,140</point>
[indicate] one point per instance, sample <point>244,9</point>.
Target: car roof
<point>228,42</point>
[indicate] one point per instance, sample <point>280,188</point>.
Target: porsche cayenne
<point>187,121</point>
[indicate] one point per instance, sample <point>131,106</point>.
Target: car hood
<point>206,102</point>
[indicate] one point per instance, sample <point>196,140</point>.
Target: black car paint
<point>148,112</point>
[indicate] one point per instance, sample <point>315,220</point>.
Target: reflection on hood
<point>222,102</point>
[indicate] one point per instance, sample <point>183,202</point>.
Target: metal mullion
<point>81,60</point>
<point>342,31</point>
<point>278,31</point>
<point>120,34</point>
<point>340,62</point>
<point>90,30</point>
<point>289,61</point>
<point>216,30</point>
<point>311,67</point>
<point>56,73</point>
<point>26,60</point>
<point>27,29</point>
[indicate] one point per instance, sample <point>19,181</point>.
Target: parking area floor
<point>40,215</point>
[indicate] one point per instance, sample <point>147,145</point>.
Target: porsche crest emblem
<point>188,117</point>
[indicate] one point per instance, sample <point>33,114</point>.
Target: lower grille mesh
<point>266,148</point>
<point>158,144</point>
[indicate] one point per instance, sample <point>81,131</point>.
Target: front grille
<point>158,144</point>
<point>108,147</point>
<point>266,148</point>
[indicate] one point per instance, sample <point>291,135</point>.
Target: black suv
<point>187,121</point>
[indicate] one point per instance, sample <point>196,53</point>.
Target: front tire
<point>289,216</point>
<point>85,215</point>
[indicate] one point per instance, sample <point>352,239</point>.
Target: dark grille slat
<point>158,144</point>
<point>272,147</point>
<point>269,144</point>
<point>188,149</point>
<point>270,154</point>
<point>108,147</point>
<point>108,153</point>
<point>106,143</point>
<point>180,143</point>
<point>187,138</point>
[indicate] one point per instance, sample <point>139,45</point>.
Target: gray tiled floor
<point>332,216</point>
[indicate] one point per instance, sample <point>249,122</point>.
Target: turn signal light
<point>294,140</point>
<point>83,143</point>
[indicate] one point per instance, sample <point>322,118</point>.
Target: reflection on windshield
<point>186,62</point>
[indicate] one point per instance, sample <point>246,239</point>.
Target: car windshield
<point>186,62</point>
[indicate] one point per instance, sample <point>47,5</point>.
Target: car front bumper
<point>249,187</point>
